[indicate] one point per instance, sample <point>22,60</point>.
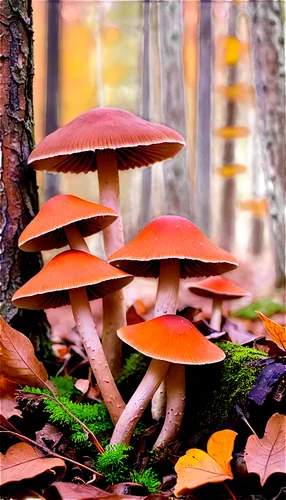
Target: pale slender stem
<point>86,327</point>
<point>75,239</point>
<point>126,424</point>
<point>166,303</point>
<point>216,315</point>
<point>176,395</point>
<point>114,313</point>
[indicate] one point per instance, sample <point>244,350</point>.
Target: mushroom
<point>167,339</point>
<point>75,277</point>
<point>65,219</point>
<point>107,140</point>
<point>218,289</point>
<point>170,248</point>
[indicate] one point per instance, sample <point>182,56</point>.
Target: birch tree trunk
<point>19,198</point>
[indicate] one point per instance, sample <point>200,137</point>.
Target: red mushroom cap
<point>45,232</point>
<point>71,269</point>
<point>217,287</point>
<point>74,147</point>
<point>172,237</point>
<point>171,338</point>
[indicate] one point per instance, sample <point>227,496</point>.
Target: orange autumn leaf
<point>8,402</point>
<point>268,455</point>
<point>22,461</point>
<point>276,332</point>
<point>232,132</point>
<point>197,467</point>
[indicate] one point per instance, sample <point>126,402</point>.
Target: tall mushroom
<point>170,248</point>
<point>218,289</point>
<point>107,140</point>
<point>65,219</point>
<point>75,277</point>
<point>167,339</point>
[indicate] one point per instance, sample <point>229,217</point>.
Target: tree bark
<point>176,177</point>
<point>203,156</point>
<point>19,197</point>
<point>228,196</point>
<point>267,36</point>
<point>146,207</point>
<point>52,85</point>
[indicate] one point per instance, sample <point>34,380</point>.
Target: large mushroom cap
<point>76,146</point>
<point>71,269</point>
<point>46,231</point>
<point>217,287</point>
<point>173,237</point>
<point>171,338</point>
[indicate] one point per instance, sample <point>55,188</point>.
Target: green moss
<point>136,365</point>
<point>148,478</point>
<point>266,306</point>
<point>236,378</point>
<point>114,463</point>
<point>65,385</point>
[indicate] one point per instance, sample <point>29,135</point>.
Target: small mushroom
<point>170,248</point>
<point>107,140</point>
<point>75,277</point>
<point>167,339</point>
<point>218,289</point>
<point>65,219</point>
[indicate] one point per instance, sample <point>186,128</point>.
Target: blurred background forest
<point>190,65</point>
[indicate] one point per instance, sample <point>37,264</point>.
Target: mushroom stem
<point>176,395</point>
<point>126,424</point>
<point>114,314</point>
<point>166,303</point>
<point>86,327</point>
<point>75,239</point>
<point>216,315</point>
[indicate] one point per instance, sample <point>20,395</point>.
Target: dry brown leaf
<point>71,491</point>
<point>276,332</point>
<point>8,402</point>
<point>22,461</point>
<point>268,455</point>
<point>18,362</point>
<point>197,467</point>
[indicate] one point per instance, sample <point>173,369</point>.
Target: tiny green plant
<point>148,478</point>
<point>114,463</point>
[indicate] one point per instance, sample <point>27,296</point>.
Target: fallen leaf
<point>132,317</point>
<point>265,382</point>
<point>82,385</point>
<point>18,362</point>
<point>21,493</point>
<point>237,333</point>
<point>49,436</point>
<point>127,488</point>
<point>7,425</point>
<point>71,491</point>
<point>8,402</point>
<point>276,332</point>
<point>22,461</point>
<point>197,467</point>
<point>267,455</point>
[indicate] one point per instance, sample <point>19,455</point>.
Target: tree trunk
<point>176,177</point>
<point>257,223</point>
<point>203,157</point>
<point>267,37</point>
<point>146,207</point>
<point>19,197</point>
<point>228,196</point>
<point>52,101</point>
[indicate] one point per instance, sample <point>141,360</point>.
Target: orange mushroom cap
<point>71,269</point>
<point>171,338</point>
<point>46,232</point>
<point>75,147</point>
<point>217,287</point>
<point>173,237</point>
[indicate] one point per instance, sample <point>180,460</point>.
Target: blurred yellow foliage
<point>115,75</point>
<point>111,35</point>
<point>231,170</point>
<point>258,208</point>
<point>232,132</point>
<point>239,92</point>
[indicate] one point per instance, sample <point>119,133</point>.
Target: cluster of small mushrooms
<point>169,248</point>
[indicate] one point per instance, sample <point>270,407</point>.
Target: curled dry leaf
<point>8,402</point>
<point>276,332</point>
<point>268,455</point>
<point>22,461</point>
<point>18,362</point>
<point>197,467</point>
<point>71,491</point>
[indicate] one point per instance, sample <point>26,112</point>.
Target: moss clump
<point>65,386</point>
<point>148,478</point>
<point>132,372</point>
<point>114,463</point>
<point>235,379</point>
<point>266,306</point>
